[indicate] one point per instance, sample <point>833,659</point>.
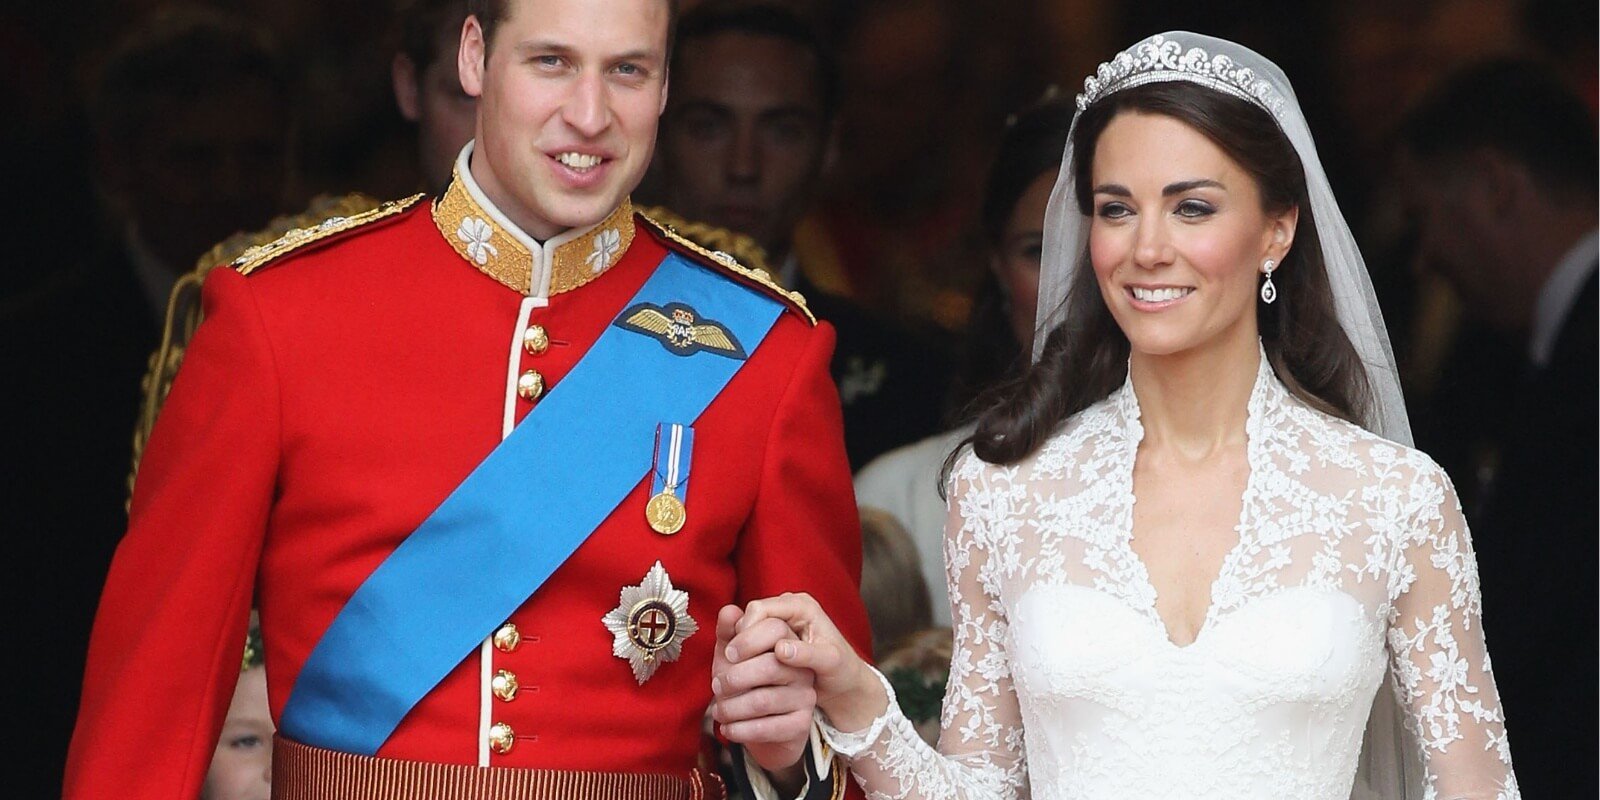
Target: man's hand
<point>759,702</point>
<point>794,628</point>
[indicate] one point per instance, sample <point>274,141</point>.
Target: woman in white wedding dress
<point>1212,350</point>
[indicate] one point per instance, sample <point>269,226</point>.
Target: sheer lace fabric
<point>1353,559</point>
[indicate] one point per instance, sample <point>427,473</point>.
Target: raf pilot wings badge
<point>681,330</point>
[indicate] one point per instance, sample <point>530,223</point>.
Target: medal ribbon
<point>516,518</point>
<point>673,474</point>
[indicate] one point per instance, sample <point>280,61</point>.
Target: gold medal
<point>665,513</point>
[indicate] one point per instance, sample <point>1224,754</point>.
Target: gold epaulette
<point>756,275</point>
<point>296,238</point>
<point>244,251</point>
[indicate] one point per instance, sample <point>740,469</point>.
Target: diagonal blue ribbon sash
<point>516,518</point>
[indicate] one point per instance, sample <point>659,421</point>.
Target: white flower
<point>606,245</point>
<point>477,233</point>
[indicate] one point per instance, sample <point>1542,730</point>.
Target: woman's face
<point>241,769</point>
<point>1017,263</point>
<point>1177,236</point>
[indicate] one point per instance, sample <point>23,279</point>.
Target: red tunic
<point>328,404</point>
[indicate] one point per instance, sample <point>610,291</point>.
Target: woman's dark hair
<point>1031,146</point>
<point>1086,359</point>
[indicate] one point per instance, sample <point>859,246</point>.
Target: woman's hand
<point>797,633</point>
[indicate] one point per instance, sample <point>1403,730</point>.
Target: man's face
<point>201,170</point>
<point>445,115</point>
<point>745,136</point>
<point>1454,220</point>
<point>569,95</point>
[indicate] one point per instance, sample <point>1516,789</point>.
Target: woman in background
<point>905,483</point>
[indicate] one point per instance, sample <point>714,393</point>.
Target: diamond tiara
<point>1161,59</point>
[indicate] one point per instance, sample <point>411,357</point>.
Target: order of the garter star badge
<point>650,624</point>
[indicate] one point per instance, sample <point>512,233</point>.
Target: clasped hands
<point>777,661</point>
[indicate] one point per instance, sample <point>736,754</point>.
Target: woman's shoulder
<point>1342,444</point>
<point>1080,439</point>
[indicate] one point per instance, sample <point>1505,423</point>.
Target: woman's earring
<point>1269,292</point>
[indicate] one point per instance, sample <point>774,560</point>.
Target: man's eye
<point>547,61</point>
<point>245,742</point>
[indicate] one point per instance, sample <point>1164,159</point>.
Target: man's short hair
<point>422,23</point>
<point>491,13</point>
<point>766,19</point>
<point>1517,108</point>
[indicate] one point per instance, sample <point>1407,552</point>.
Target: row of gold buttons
<point>530,387</point>
<point>504,685</point>
<point>530,384</point>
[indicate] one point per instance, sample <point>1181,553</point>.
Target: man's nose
<point>744,157</point>
<point>587,109</point>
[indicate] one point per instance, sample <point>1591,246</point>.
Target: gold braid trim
<point>726,260</point>
<point>296,238</point>
<point>183,304</point>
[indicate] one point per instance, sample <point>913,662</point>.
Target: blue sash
<point>527,507</point>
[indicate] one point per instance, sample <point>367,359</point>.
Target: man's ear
<point>666,84</point>
<point>472,58</point>
<point>407,95</point>
<point>1507,183</point>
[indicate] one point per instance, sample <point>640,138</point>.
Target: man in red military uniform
<point>489,464</point>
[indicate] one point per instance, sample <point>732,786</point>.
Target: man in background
<point>749,130</point>
<point>190,136</point>
<point>427,88</point>
<point>1499,168</point>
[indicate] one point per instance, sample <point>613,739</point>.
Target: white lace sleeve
<point>980,752</point>
<point>1436,644</point>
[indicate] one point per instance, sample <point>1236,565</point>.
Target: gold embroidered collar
<point>493,244</point>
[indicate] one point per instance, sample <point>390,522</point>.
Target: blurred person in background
<point>905,483</point>
<point>911,156</point>
<point>1499,169</point>
<point>749,129</point>
<point>427,88</point>
<point>192,123</point>
<point>190,128</point>
<point>241,768</point>
<point>892,584</point>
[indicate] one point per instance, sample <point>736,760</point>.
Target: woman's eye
<point>1114,210</point>
<point>1195,208</point>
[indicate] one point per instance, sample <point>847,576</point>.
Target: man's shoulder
<point>323,234</point>
<point>754,278</point>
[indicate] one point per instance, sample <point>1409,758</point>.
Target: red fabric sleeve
<point>170,629</point>
<point>804,534</point>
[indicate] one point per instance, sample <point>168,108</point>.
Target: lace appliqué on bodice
<point>1353,559</point>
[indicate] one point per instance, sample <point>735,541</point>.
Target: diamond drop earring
<point>1269,292</point>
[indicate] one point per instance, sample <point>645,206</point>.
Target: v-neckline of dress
<point>1128,407</point>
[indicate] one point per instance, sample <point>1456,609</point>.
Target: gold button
<point>502,738</point>
<point>504,685</point>
<point>535,339</point>
<point>530,385</point>
<point>507,638</point>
